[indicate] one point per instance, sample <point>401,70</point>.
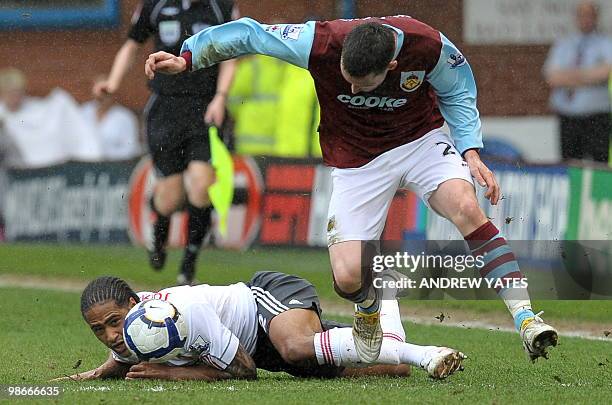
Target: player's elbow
<point>247,373</point>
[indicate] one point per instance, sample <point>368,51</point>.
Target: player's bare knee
<point>198,196</point>
<point>347,276</point>
<point>166,203</point>
<point>468,212</point>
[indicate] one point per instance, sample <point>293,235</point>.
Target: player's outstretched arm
<point>245,36</point>
<point>242,367</point>
<point>111,368</point>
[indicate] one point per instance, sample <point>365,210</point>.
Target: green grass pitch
<point>43,336</point>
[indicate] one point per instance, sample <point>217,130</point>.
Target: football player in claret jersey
<point>273,322</point>
<point>386,86</point>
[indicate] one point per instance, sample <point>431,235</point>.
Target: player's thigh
<point>434,161</point>
<point>292,332</point>
<point>360,200</point>
<point>288,311</point>
<point>455,199</point>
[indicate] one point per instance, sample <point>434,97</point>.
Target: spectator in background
<point>577,69</point>
<point>41,132</point>
<point>115,125</point>
<point>12,95</point>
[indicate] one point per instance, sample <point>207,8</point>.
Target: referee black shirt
<point>171,22</point>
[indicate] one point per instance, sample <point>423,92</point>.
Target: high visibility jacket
<point>253,100</point>
<point>298,116</point>
<point>275,109</point>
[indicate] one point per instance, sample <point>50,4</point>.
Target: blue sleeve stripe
<point>289,42</point>
<point>453,82</point>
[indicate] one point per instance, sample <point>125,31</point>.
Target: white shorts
<point>361,196</point>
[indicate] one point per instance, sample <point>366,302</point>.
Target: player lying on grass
<point>273,322</point>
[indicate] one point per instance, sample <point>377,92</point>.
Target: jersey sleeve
<point>216,344</point>
<point>141,28</point>
<point>245,36</point>
<point>453,81</point>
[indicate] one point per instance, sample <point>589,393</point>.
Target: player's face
<point>367,83</point>
<point>106,322</point>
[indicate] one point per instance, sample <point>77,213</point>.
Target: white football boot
<point>537,336</point>
<point>442,362</point>
<point>367,335</point>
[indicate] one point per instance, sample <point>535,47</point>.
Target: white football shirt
<point>218,318</point>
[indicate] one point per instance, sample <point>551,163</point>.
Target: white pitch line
<point>78,286</point>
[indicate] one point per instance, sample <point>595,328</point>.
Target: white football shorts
<point>361,196</point>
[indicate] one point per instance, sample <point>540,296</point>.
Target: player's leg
<point>168,194</point>
<point>289,314</point>
<point>446,185</point>
<point>292,334</point>
<point>597,133</point>
<point>357,212</point>
<point>168,197</point>
<point>199,176</point>
<point>570,140</point>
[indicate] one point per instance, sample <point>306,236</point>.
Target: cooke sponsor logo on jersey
<point>410,81</point>
<point>372,101</point>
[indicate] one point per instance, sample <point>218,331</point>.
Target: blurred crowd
<point>274,110</point>
<point>272,104</point>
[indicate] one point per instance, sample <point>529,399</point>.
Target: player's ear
<point>131,303</point>
<point>392,65</point>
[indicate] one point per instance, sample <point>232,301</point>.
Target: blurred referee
<point>177,116</point>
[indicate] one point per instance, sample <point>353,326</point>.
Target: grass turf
<point>43,336</point>
<point>47,337</point>
<point>85,262</point>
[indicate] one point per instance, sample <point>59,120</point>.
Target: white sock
<point>390,321</point>
<point>337,347</point>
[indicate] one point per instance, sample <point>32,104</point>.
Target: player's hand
<point>87,375</point>
<point>103,88</point>
<point>483,176</point>
<point>164,62</point>
<point>149,370</point>
<point>215,112</point>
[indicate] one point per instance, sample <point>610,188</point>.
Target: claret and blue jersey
<point>433,83</point>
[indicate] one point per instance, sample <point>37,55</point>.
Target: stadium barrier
<point>284,202</point>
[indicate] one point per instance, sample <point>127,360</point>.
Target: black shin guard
<point>161,228</point>
<point>197,226</point>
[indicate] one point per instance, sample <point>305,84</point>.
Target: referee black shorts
<point>176,133</point>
